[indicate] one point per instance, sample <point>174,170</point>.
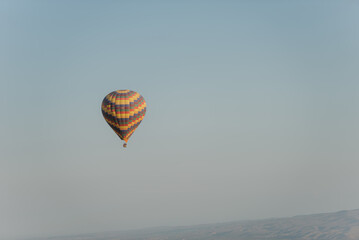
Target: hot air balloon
<point>123,110</point>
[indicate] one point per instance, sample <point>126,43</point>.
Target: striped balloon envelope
<point>123,110</point>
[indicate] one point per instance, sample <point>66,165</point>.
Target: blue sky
<point>253,112</point>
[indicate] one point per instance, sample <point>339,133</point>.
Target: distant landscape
<point>343,225</point>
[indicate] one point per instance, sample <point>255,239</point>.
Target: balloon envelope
<point>123,110</point>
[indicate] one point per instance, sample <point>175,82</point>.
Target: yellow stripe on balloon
<point>107,109</point>
<point>122,91</point>
<point>132,123</point>
<point>133,98</point>
<point>139,109</point>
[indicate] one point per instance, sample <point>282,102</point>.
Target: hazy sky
<point>252,112</point>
